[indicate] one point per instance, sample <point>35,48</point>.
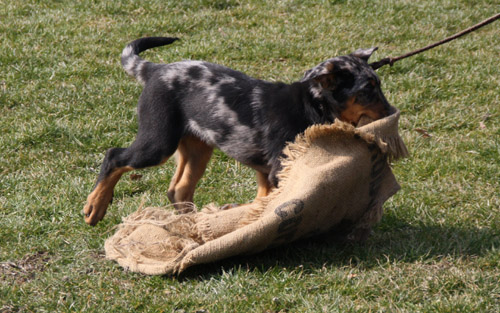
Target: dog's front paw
<point>96,206</point>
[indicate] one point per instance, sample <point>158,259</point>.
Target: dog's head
<point>349,86</point>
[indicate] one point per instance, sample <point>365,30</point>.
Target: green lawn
<point>64,100</point>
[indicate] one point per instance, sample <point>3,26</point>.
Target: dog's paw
<point>96,207</point>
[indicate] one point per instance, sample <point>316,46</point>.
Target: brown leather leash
<point>390,61</point>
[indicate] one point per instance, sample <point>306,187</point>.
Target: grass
<point>64,99</point>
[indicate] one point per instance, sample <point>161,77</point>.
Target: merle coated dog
<point>194,106</point>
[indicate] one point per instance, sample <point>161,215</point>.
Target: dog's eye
<point>371,85</point>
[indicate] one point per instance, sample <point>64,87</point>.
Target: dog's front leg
<point>273,174</point>
<point>263,185</point>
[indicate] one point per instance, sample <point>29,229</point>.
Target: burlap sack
<point>335,179</point>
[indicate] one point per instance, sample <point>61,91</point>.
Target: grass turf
<point>64,99</point>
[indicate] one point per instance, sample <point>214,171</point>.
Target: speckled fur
<point>249,119</point>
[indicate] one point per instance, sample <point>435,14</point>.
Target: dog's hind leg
<point>117,162</point>
<point>192,160</point>
<point>151,147</point>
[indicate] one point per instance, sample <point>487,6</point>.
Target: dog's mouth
<point>362,121</point>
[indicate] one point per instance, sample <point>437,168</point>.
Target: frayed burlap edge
<point>190,231</point>
<point>389,143</point>
<point>184,238</point>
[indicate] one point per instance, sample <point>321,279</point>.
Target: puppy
<point>193,106</point>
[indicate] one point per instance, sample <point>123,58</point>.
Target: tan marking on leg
<point>264,188</point>
<point>99,199</point>
<point>263,185</point>
<point>194,155</point>
<point>180,161</point>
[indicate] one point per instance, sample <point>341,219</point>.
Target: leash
<point>391,61</point>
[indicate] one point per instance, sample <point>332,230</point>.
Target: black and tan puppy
<point>194,106</point>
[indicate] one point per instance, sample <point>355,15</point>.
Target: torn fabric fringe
<point>335,179</point>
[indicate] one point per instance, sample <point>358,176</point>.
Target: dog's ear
<point>364,54</point>
<point>326,78</point>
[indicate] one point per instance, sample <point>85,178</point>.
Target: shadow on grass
<point>393,240</point>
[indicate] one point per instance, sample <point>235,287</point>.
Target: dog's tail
<point>133,64</point>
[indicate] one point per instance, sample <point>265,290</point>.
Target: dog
<point>193,106</point>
